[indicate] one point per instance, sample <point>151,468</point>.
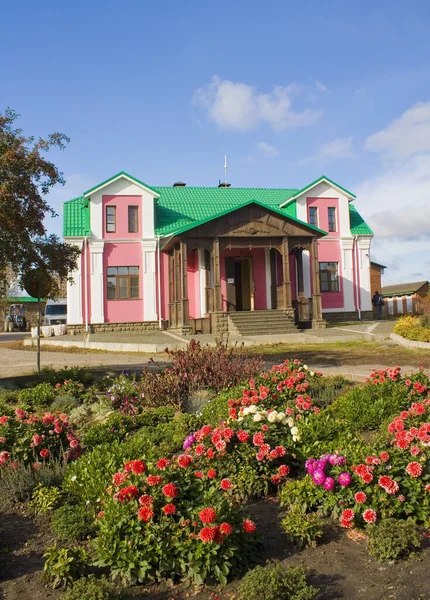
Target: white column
<point>306,274</point>
<point>202,281</point>
<point>97,282</point>
<point>268,278</point>
<point>364,266</point>
<point>74,292</point>
<point>347,275</point>
<point>149,248</point>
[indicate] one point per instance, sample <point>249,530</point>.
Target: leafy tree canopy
<point>26,177</point>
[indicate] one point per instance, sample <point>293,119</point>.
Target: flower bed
<point>413,328</point>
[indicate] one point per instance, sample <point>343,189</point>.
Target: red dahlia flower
<point>414,469</point>
<point>169,509</point>
<point>44,453</point>
<point>118,479</point>
<point>170,490</point>
<point>249,526</point>
<point>146,500</point>
<point>243,436</point>
<point>133,466</point>
<point>369,515</point>
<point>207,534</point>
<point>128,493</point>
<point>154,480</point>
<point>199,474</point>
<point>211,473</point>
<point>184,460</point>
<point>163,463</point>
<point>347,515</point>
<point>145,513</point>
<point>360,497</point>
<point>226,529</point>
<point>207,515</point>
<point>283,470</point>
<point>225,484</point>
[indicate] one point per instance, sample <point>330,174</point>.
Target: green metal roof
<point>225,212</point>
<point>357,224</point>
<point>23,300</point>
<point>76,218</point>
<point>179,207</point>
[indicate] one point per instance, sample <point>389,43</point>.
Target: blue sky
<point>290,91</point>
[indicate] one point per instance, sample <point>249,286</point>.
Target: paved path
<point>12,337</point>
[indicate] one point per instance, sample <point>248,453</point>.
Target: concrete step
<point>261,322</point>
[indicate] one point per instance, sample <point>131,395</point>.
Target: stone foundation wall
<point>219,323</point>
<point>113,327</point>
<point>342,317</point>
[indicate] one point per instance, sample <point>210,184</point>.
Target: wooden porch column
<point>286,274</point>
<point>172,311</point>
<point>299,265</point>
<point>317,320</point>
<point>184,311</point>
<point>217,276</point>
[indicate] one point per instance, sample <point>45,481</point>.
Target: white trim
<point>74,290</point>
<point>97,281</point>
<point>305,191</point>
<point>149,283</point>
<point>268,278</point>
<point>306,262</point>
<point>120,176</point>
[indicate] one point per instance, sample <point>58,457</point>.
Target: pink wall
<point>259,267</point>
<point>122,203</point>
<point>322,205</point>
<point>193,280</point>
<point>331,252</point>
<point>123,255</point>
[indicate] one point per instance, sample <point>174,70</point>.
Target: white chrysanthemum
<point>252,409</point>
<point>296,438</point>
<point>258,417</point>
<point>245,411</point>
<point>280,417</point>
<point>312,373</point>
<point>305,367</point>
<point>272,417</point>
<point>240,419</point>
<point>294,430</point>
<point>290,422</point>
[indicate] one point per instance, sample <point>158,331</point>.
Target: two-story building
<point>217,258</point>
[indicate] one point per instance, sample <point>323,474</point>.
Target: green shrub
<point>7,397</point>
<point>302,529</point>
<point>275,582</point>
<point>391,539</point>
<point>78,374</point>
<point>413,327</point>
<point>64,565</point>
<point>44,499</point>
<point>18,484</point>
<point>64,403</point>
<point>72,522</point>
<point>42,395</point>
<point>216,410</point>
<point>92,588</point>
<point>325,390</point>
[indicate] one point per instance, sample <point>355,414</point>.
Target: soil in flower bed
<point>339,566</point>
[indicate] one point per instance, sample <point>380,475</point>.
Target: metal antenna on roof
<point>225,168</point>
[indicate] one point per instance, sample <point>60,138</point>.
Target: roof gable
<point>322,179</point>
<point>121,175</point>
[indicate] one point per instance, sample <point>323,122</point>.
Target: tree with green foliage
<point>26,177</point>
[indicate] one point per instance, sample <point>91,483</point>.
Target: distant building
<point>376,282</point>
<point>217,258</point>
<point>405,298</point>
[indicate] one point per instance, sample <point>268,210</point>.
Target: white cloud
<point>267,149</point>
<point>337,148</point>
<point>241,107</point>
<point>405,136</point>
<point>321,87</point>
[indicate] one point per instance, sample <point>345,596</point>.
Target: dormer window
<point>110,219</point>
<point>313,216</point>
<point>332,218</point>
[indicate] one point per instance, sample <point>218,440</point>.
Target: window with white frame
<point>122,283</point>
<point>329,276</point>
<point>110,219</point>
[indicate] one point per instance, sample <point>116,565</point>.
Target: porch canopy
<point>249,226</point>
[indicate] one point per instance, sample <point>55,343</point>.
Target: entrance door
<point>240,283</point>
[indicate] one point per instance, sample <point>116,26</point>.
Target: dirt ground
<point>341,568</point>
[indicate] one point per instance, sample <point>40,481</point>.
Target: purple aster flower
<point>321,463</point>
<point>189,441</point>
<point>319,477</point>
<point>329,484</point>
<point>344,479</point>
<point>332,459</point>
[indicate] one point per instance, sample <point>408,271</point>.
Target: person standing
<point>378,303</point>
